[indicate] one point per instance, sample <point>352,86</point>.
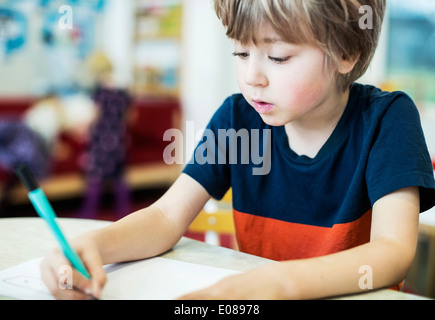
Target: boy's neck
<point>308,135</point>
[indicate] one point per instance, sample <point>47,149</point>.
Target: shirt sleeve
<point>206,165</point>
<point>399,157</point>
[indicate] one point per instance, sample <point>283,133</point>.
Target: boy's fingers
<point>65,282</point>
<point>80,282</point>
<point>94,265</point>
<point>59,278</point>
<point>98,280</point>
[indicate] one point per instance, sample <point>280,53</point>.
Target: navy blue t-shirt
<point>288,206</point>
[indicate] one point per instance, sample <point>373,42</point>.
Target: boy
<point>349,167</point>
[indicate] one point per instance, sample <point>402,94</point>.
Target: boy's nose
<point>255,76</point>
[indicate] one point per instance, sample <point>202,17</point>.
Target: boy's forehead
<point>262,32</point>
<point>267,34</point>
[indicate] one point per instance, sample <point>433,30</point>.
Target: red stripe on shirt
<point>279,240</point>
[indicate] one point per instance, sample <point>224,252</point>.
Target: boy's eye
<point>245,55</point>
<point>279,60</point>
<point>242,55</point>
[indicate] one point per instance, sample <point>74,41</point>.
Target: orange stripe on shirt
<point>279,240</point>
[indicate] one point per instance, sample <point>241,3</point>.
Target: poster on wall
<point>68,34</point>
<point>13,31</point>
<point>59,34</point>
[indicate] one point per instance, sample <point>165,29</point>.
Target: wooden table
<point>24,239</point>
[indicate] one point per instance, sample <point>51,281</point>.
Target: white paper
<point>24,282</point>
<point>151,279</point>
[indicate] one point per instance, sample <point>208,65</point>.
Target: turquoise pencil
<point>45,211</point>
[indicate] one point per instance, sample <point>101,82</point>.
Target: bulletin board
<point>48,40</point>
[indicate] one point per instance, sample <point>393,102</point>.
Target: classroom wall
<point>19,73</point>
<point>208,73</point>
<point>208,68</point>
<point>377,70</point>
<point>117,38</point>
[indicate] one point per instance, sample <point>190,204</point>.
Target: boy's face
<point>284,82</point>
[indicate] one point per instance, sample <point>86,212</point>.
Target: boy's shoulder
<point>374,99</point>
<point>374,107</point>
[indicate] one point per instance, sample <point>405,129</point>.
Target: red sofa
<point>151,118</point>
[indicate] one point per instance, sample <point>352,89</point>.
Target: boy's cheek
<point>304,95</point>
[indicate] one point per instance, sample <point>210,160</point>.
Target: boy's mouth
<point>262,107</point>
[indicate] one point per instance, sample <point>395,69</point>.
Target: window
<point>411,48</point>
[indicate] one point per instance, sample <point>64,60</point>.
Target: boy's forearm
<point>153,230</point>
<point>379,264</point>
<point>143,234</point>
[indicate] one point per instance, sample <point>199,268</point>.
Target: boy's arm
<point>156,229</point>
<point>143,234</point>
<point>387,257</point>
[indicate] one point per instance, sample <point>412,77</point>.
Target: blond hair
<point>332,25</point>
<point>99,64</point>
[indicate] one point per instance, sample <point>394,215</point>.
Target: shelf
<point>66,186</point>
<point>157,47</point>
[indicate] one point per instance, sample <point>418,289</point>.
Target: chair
<point>215,222</point>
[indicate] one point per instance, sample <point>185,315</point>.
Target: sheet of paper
<point>151,279</point>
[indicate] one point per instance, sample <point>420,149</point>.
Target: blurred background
<point>64,65</point>
<point>88,88</point>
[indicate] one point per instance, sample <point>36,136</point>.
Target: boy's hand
<point>56,277</point>
<point>258,284</point>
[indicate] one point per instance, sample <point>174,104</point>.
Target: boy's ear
<point>346,65</point>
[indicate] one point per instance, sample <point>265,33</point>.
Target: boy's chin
<point>273,121</point>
